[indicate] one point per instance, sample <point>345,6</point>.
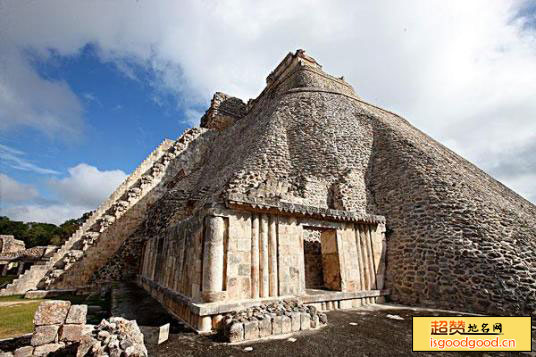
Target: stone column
<point>213,259</point>
<point>272,247</point>
<point>264,269</point>
<point>359,258</point>
<point>364,258</point>
<point>254,256</point>
<point>20,268</point>
<point>372,268</point>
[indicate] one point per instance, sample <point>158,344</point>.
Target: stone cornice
<point>276,206</point>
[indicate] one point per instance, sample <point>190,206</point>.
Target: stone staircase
<point>146,176</point>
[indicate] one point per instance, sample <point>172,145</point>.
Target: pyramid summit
<point>306,192</point>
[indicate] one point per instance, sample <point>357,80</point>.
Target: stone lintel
<point>271,206</point>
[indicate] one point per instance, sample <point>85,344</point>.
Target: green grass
<point>12,298</point>
<point>17,319</point>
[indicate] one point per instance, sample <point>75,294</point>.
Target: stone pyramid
<point>307,150</point>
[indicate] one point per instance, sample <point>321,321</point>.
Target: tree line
<point>35,233</point>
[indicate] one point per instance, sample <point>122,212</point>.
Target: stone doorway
<point>321,257</point>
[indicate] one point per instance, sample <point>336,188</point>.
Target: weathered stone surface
<point>277,325</point>
<point>265,326</point>
<point>295,318</point>
<point>286,324</point>
<point>251,330</point>
<point>323,319</point>
<point>305,321</point>
<point>236,332</point>
<point>45,334</point>
<point>71,333</point>
<point>25,351</point>
<point>315,321</point>
<point>115,337</point>
<point>49,348</point>
<point>86,343</point>
<point>77,314</point>
<point>155,335</point>
<point>51,312</point>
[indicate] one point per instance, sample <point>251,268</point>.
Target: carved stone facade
<point>305,192</point>
<point>200,268</point>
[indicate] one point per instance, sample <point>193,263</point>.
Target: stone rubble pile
<point>117,337</point>
<point>275,318</point>
<point>61,330</point>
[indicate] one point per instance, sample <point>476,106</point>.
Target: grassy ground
<point>13,298</point>
<point>17,319</point>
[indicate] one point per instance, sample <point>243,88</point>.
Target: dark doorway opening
<point>321,257</point>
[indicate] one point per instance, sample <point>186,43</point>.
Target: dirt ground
<point>371,333</point>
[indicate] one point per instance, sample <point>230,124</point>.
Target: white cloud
<point>192,117</point>
<point>86,185</point>
<point>15,159</point>
<point>13,191</point>
<point>463,71</point>
<point>56,214</point>
<point>83,190</point>
<point>28,100</point>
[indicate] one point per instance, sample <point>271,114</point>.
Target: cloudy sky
<point>89,88</point>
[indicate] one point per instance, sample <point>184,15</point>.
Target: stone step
<point>36,273</point>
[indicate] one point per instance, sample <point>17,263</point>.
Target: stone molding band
<point>286,208</point>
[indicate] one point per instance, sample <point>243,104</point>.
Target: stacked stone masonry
<point>224,225</point>
<point>60,329</point>
<point>109,232</point>
<point>282,318</point>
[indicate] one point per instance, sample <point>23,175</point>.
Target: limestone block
<point>277,325</point>
<point>217,322</point>
<point>295,318</point>
<point>251,330</point>
<point>286,326</point>
<point>305,321</point>
<point>163,333</point>
<point>236,332</point>
<point>204,324</point>
<point>45,334</point>
<point>71,332</point>
<point>265,326</point>
<point>44,350</point>
<point>322,318</point>
<point>346,304</point>
<point>36,294</point>
<point>25,351</point>
<point>51,312</point>
<point>357,303</point>
<point>315,323</point>
<point>77,314</point>
<point>155,335</point>
<point>86,343</point>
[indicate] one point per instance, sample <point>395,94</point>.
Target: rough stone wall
<point>8,244</point>
<point>457,238</point>
<point>224,110</point>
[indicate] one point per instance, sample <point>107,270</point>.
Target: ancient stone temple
<point>305,192</point>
